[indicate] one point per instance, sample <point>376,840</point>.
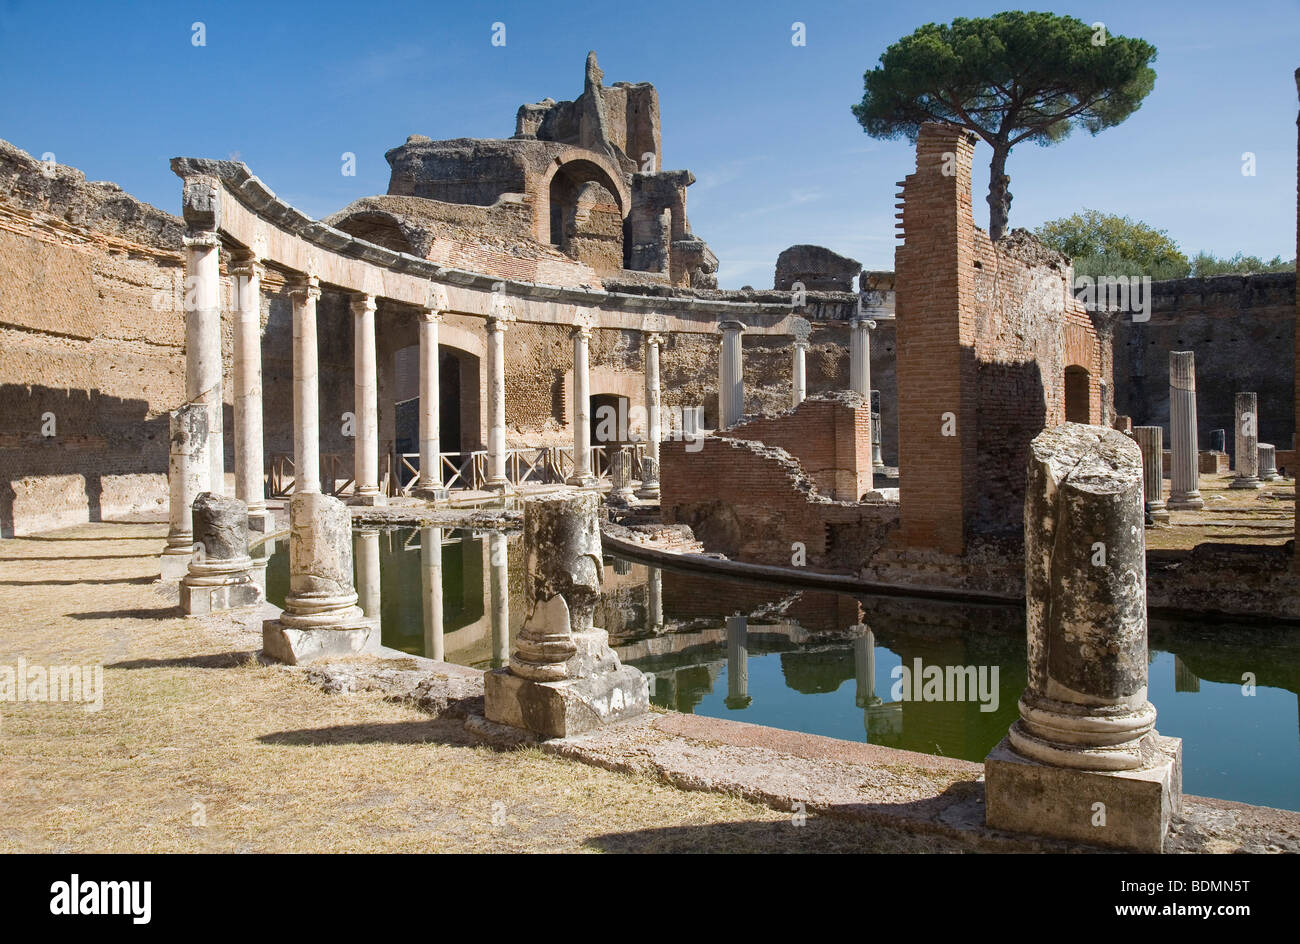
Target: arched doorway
<point>609,427</point>
<point>1077,389</point>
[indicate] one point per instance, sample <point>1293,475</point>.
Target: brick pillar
<point>935,343</point>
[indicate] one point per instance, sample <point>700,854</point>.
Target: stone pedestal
<point>1268,463</point>
<point>1084,762</point>
<point>649,490</point>
<point>220,573</point>
<point>1150,440</point>
<point>1184,466</point>
<point>320,618</point>
<point>563,678</point>
<point>620,477</point>
<point>1246,459</point>
<point>188,475</point>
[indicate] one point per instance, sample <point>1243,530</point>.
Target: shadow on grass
<point>816,835</point>
<point>450,731</point>
<point>77,583</point>
<point>81,557</point>
<point>216,660</point>
<point>157,613</point>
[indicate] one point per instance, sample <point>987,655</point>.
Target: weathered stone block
<point>297,646</point>
<point>1023,795</point>
<point>567,707</point>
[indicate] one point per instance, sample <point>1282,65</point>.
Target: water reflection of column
<point>367,556</point>
<point>864,664</point>
<point>261,555</point>
<point>431,574</point>
<point>655,601</point>
<point>499,597</point>
<point>737,663</point>
<point>1185,680</point>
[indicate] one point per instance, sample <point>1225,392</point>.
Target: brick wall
<point>752,501</point>
<point>985,334</point>
<point>829,435</point>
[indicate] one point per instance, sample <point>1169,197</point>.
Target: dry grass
<point>1230,516</point>
<point>200,748</point>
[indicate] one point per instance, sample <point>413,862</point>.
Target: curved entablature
<point>256,219</point>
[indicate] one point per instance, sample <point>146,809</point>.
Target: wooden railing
<point>531,465</point>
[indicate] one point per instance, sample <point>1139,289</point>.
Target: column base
<point>204,600</point>
<point>433,492</point>
<point>648,492</point>
<point>1246,481</point>
<point>369,499</point>
<point>1122,809</point>
<point>567,707</point>
<point>1192,501</point>
<point>581,481</point>
<point>1158,510</point>
<point>497,485</point>
<point>261,520</point>
<point>295,646</point>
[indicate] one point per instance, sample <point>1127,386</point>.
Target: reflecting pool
<point>938,678</point>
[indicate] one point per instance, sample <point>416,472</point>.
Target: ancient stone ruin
<point>563,678</point>
<point>1084,761</point>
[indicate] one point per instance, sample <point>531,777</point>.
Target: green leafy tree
<point>1206,264</point>
<point>1009,78</point>
<point>1105,244</point>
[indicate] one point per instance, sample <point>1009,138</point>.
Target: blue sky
<point>118,89</point>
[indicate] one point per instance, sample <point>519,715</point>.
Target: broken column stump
<point>220,573</point>
<point>563,678</point>
<point>620,477</point>
<point>320,618</point>
<point>1084,762</point>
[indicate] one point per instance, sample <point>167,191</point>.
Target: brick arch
<point>1080,347</point>
<point>583,166</point>
<point>623,383</point>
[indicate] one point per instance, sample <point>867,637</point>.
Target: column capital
<point>247,265</point>
<point>430,315</point>
<point>581,330</point>
<point>201,239</point>
<point>655,338</point>
<point>737,326</point>
<point>362,303</point>
<point>305,285</point>
<point>497,323</point>
<point>864,324</point>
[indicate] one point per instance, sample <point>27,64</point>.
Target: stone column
<point>499,596</point>
<point>203,362</point>
<point>369,579</point>
<point>365,403</point>
<point>1150,440</point>
<point>1086,733</point>
<point>860,356</point>
<point>649,470</point>
<point>731,376</point>
<point>860,366</point>
<point>250,485</point>
<point>581,475</point>
<point>802,331</point>
<point>429,484</point>
<point>1268,463</point>
<point>306,387</point>
<point>737,663</point>
<point>320,617</point>
<point>1246,459</point>
<point>620,478</point>
<point>188,476</point>
<point>220,573</point>
<point>431,574</point>
<point>877,461</point>
<point>1184,493</point>
<point>496,358</point>
<point>563,677</point>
